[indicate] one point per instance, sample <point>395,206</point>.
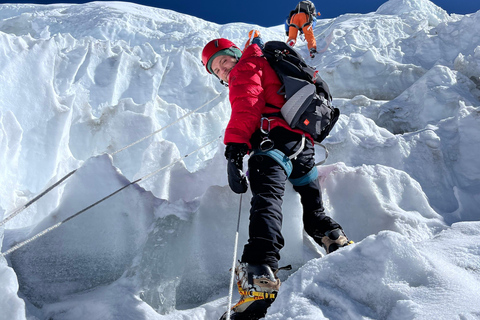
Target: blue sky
<point>273,12</point>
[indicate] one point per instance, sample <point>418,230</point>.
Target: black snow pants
<point>267,183</point>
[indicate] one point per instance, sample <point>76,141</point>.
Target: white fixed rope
<point>38,235</point>
<point>19,209</point>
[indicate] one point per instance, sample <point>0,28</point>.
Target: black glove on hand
<point>236,178</point>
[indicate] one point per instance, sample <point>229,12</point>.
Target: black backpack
<point>308,106</point>
<point>305,6</point>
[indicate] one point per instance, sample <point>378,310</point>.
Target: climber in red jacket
<point>254,85</point>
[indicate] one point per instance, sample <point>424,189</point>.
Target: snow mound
<point>407,280</point>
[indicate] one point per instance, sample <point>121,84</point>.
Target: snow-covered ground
<point>81,82</point>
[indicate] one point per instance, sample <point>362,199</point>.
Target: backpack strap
<point>272,114</point>
<point>272,106</point>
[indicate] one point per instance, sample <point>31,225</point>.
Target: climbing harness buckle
<point>266,144</point>
<point>262,120</point>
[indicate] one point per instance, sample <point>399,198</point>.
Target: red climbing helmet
<point>215,46</point>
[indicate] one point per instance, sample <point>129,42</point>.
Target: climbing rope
<point>23,207</point>
<point>326,28</point>
<point>44,232</point>
<point>163,128</point>
<point>26,205</point>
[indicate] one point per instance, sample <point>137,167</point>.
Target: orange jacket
<point>299,21</point>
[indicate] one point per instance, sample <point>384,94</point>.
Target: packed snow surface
<point>80,84</point>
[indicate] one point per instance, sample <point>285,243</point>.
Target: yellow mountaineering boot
<point>258,287</point>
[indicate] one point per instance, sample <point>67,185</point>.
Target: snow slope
<point>81,82</point>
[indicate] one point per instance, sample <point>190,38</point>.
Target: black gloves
<point>236,178</point>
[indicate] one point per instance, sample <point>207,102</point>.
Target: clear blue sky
<point>272,12</point>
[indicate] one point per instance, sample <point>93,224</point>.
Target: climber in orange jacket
<point>302,19</point>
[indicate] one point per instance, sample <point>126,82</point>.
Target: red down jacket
<point>252,84</point>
